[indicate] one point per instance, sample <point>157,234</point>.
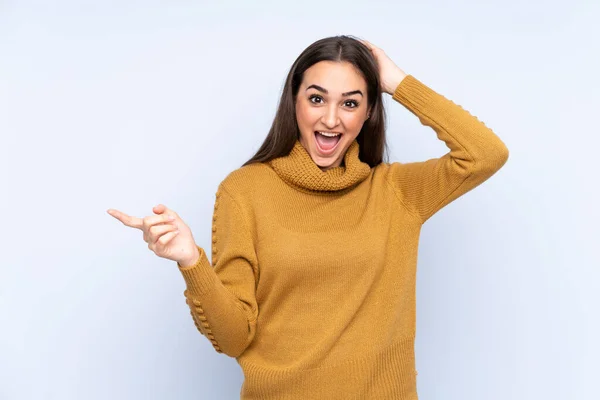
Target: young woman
<point>311,285</point>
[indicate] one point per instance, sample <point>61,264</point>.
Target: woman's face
<point>332,98</point>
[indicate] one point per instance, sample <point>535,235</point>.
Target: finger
<point>167,237</point>
<point>127,220</point>
<point>163,240</point>
<point>152,220</point>
<point>162,209</point>
<point>368,44</point>
<point>374,49</point>
<point>157,231</point>
<point>159,209</point>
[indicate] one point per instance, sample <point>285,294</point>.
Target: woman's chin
<point>324,163</point>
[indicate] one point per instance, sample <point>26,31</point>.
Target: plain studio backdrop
<point>128,104</point>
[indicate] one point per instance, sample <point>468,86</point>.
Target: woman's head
<point>333,86</point>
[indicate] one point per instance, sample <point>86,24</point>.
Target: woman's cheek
<point>304,116</point>
<point>354,123</point>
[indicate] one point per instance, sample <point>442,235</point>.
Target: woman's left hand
<point>390,74</point>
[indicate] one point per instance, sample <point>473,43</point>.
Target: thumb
<point>159,209</point>
<point>162,209</point>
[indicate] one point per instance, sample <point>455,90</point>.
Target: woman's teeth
<point>327,142</point>
<point>329,134</point>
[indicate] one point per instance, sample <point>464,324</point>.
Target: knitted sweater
<point>312,282</point>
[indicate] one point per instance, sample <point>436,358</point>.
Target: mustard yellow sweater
<point>312,282</point>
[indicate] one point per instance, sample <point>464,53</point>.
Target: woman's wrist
<point>396,82</point>
<point>191,260</point>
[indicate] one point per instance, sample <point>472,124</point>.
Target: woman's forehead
<point>335,77</point>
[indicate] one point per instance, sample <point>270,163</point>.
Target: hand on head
<point>390,74</point>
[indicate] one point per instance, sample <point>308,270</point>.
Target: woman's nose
<point>330,119</point>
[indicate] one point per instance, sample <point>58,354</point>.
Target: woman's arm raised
<point>476,153</point>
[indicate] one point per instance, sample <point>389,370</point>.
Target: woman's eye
<point>348,103</point>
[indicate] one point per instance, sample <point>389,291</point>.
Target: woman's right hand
<point>166,234</point>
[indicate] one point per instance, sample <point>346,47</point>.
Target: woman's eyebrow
<point>326,92</point>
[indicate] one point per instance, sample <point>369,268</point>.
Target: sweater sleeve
<point>221,297</point>
<point>476,153</point>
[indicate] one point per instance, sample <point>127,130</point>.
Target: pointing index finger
<point>127,220</point>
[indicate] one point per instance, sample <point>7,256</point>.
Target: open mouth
<point>327,141</point>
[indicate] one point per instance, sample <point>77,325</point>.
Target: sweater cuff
<point>413,93</point>
<point>200,278</point>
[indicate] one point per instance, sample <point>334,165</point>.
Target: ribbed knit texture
<point>312,282</point>
<point>300,170</point>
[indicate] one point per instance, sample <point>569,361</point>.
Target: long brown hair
<point>284,131</point>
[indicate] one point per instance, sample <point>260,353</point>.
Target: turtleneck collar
<point>299,169</point>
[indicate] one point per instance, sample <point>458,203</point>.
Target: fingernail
<point>171,218</point>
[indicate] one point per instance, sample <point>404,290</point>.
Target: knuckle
<point>163,239</point>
